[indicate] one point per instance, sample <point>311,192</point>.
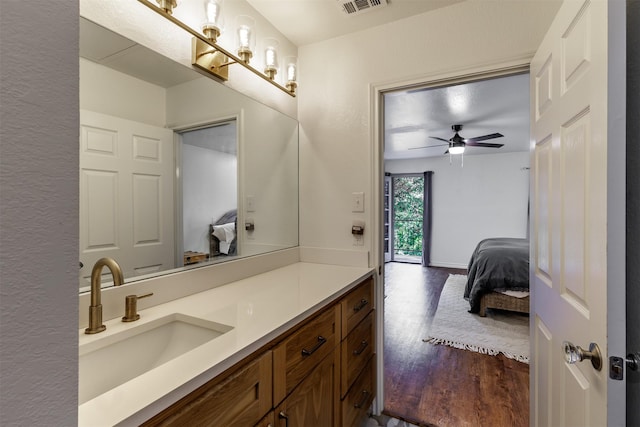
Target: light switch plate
<point>251,204</point>
<point>357,202</point>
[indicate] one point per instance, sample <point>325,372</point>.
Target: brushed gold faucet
<point>95,309</point>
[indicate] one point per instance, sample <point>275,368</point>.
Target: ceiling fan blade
<point>484,137</point>
<point>484,144</point>
<point>426,146</point>
<point>446,152</point>
<point>441,139</point>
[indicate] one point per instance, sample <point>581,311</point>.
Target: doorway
<point>470,203</point>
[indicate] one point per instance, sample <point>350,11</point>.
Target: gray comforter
<point>497,264</point>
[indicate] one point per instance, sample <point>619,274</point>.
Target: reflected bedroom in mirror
<point>176,170</point>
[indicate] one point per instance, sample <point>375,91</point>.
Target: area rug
<point>499,332</point>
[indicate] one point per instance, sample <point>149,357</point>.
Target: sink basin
<point>117,358</point>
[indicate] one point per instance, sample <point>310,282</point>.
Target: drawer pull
<point>321,340</point>
<point>363,302</point>
<point>359,350</point>
<point>284,417</point>
<point>365,397</point>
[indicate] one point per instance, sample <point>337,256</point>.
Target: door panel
<point>569,199</point>
<point>126,195</point>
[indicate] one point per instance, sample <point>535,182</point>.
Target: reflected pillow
<point>225,232</point>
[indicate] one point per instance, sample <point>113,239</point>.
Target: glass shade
<point>271,57</point>
<point>291,68</point>
<point>456,149</point>
<point>245,36</point>
<point>213,26</point>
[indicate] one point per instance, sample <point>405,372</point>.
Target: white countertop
<point>259,308</point>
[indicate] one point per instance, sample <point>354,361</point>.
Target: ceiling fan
<point>457,143</point>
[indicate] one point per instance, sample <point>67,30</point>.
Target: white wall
<point>204,199</point>
<point>39,213</point>
<point>488,197</point>
<point>111,92</point>
<point>336,77</point>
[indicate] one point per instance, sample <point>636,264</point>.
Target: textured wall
<point>38,212</point>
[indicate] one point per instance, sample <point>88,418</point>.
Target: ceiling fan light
<point>456,149</point>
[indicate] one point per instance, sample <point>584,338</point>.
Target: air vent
<point>354,7</point>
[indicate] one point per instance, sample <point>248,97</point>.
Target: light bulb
<point>212,28</point>
<point>245,37</point>
<point>271,58</point>
<point>456,149</point>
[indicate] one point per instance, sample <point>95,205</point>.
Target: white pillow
<point>225,232</point>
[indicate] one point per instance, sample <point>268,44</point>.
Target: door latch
<point>617,365</point>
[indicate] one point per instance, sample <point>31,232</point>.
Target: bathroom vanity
<point>296,348</point>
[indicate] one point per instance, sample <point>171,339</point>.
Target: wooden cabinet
<point>360,396</point>
<point>357,348</point>
<point>268,421</point>
<point>314,402</point>
<point>320,373</point>
<point>356,305</point>
<point>240,398</point>
<point>300,352</point>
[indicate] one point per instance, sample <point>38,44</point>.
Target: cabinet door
<point>268,421</point>
<point>238,399</point>
<point>300,352</point>
<point>314,402</point>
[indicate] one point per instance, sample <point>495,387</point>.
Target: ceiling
<point>412,117</point>
<point>310,21</point>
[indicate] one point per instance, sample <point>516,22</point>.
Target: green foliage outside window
<point>407,208</point>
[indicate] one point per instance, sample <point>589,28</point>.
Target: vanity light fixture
<point>208,56</point>
<point>271,57</point>
<point>291,70</point>
<point>167,5</point>
<point>245,37</point>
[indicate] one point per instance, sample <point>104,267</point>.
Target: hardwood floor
<point>436,385</point>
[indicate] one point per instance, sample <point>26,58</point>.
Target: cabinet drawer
<point>356,305</point>
<point>359,398</point>
<point>239,399</point>
<point>356,349</point>
<point>314,402</point>
<point>299,353</point>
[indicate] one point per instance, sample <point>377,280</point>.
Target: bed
<point>498,276</point>
<point>222,235</point>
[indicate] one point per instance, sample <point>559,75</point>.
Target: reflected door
<point>126,195</point>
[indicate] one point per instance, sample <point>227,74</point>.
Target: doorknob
<point>575,353</point>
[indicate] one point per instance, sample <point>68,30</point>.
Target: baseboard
<point>448,265</point>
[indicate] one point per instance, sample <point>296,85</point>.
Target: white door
<point>126,195</point>
<point>571,248</point>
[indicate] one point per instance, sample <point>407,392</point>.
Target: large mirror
<point>176,170</point>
